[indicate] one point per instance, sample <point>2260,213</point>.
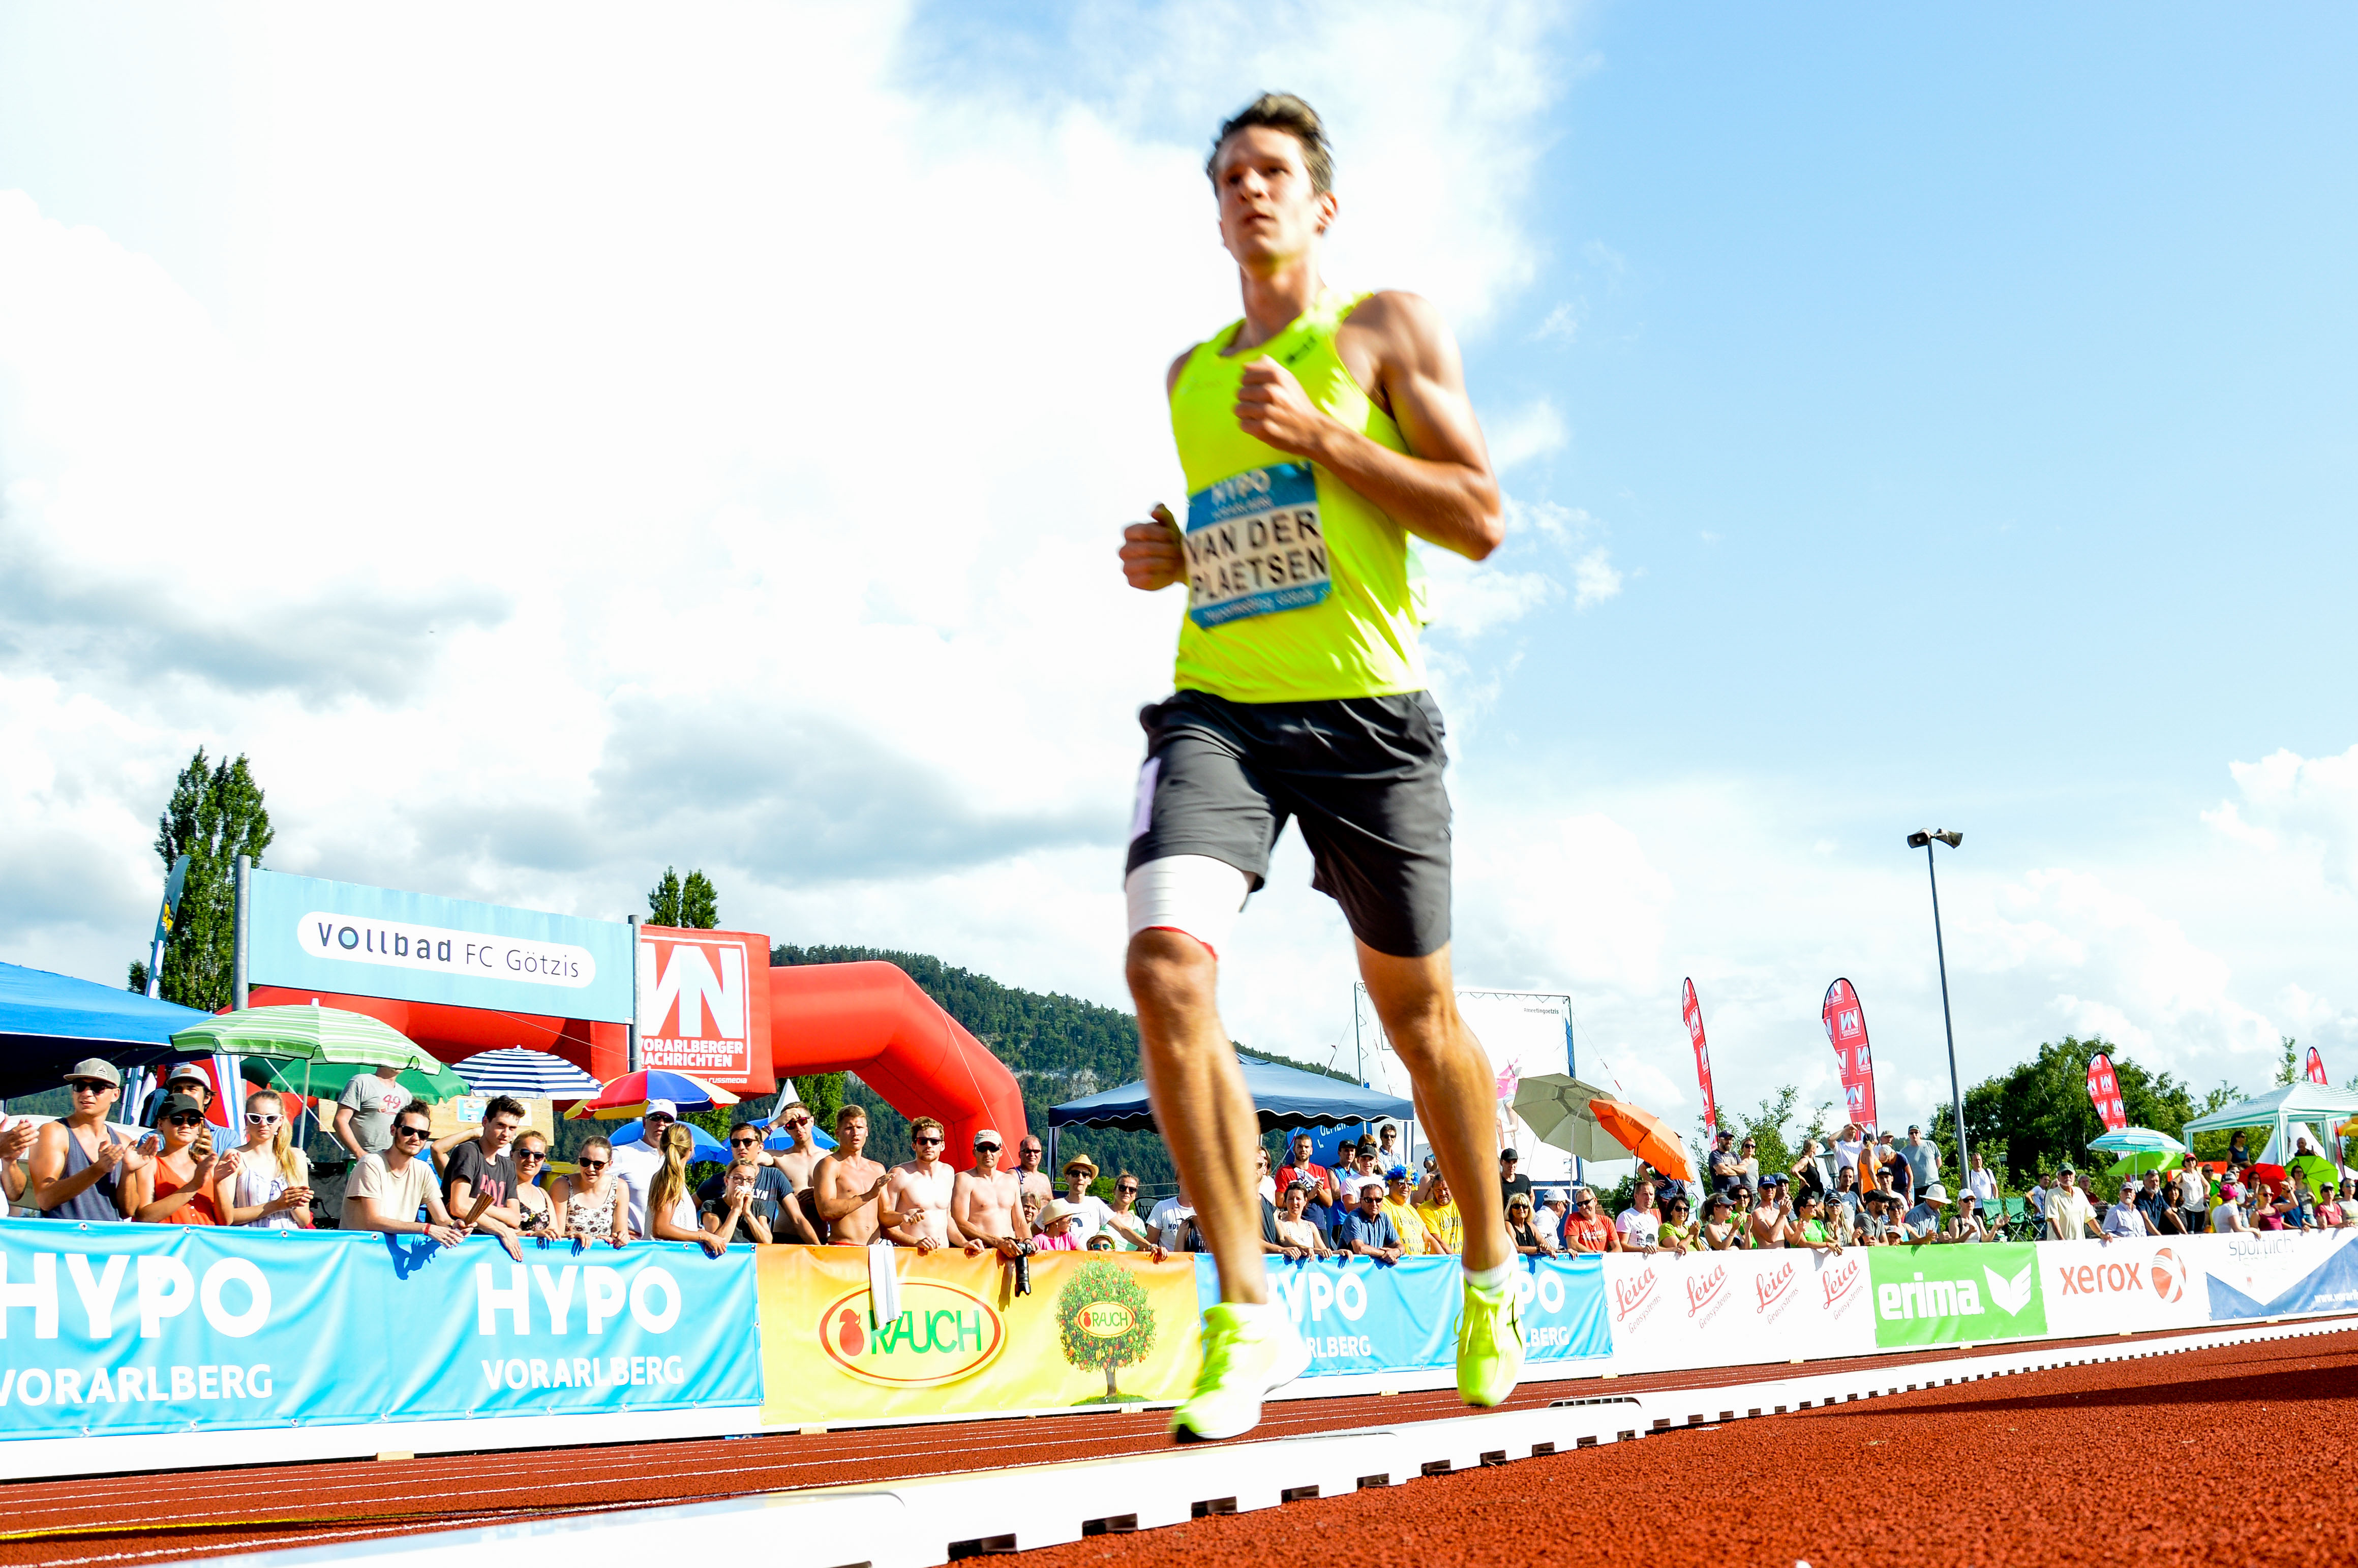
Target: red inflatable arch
<point>867,1017</point>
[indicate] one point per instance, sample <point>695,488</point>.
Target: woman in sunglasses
<point>181,1186</point>
<point>589,1206</point>
<point>1676,1233</point>
<point>272,1189</point>
<point>531,1156</point>
<point>1528,1239</point>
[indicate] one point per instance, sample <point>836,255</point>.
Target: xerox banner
<point>107,1330</point>
<point>1097,1328</point>
<point>1845,1020</point>
<point>2280,1273</point>
<point>2113,1286</point>
<point>1669,1312</point>
<point>1358,1315</point>
<point>1691,1009</point>
<point>413,947</point>
<point>1938,1294</point>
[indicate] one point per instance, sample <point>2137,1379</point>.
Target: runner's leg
<point>1200,1103</point>
<point>1456,1093</point>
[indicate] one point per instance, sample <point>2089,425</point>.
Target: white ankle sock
<point>1491,1281</point>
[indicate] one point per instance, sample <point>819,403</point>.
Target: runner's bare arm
<point>1404,354</point>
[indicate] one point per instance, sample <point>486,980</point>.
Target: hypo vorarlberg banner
<point>1358,1315</point>
<point>135,1328</point>
<point>413,947</point>
<point>1097,1328</point>
<point>1745,1306</point>
<point>1945,1295</point>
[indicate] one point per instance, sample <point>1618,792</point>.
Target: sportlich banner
<point>143,1328</point>
<point>1097,1328</point>
<point>1944,1294</point>
<point>2280,1273</point>
<point>1358,1315</point>
<point>413,947</point>
<point>1745,1306</point>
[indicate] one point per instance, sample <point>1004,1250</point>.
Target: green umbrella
<point>1555,1107</point>
<point>305,1031</point>
<point>2319,1169</point>
<point>327,1079</point>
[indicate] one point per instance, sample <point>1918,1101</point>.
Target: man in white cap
<point>635,1164</point>
<point>1925,1222</point>
<point>986,1204</point>
<point>78,1162</point>
<point>2125,1218</point>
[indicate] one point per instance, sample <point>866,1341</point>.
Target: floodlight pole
<point>1939,952</point>
<point>632,1055</point>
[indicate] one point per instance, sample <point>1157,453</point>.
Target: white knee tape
<point>1194,893</point>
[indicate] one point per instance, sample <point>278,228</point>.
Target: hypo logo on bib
<point>1255,546</point>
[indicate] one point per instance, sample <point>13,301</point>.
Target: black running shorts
<point>1362,774</point>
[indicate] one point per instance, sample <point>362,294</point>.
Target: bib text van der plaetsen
<point>165,1289</point>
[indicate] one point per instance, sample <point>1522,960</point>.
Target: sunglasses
<point>186,1119</point>
<point>657,1116</point>
<point>754,1142</point>
<point>798,1121</point>
<point>1127,1189</point>
<point>534,1154</point>
<point>986,1147</point>
<point>930,1143</point>
<point>409,1132</point>
<point>592,1164</point>
<point>255,1119</point>
<point>87,1087</point>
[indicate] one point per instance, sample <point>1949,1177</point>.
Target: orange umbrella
<point>1645,1135</point>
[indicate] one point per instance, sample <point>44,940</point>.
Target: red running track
<point>132,1521</point>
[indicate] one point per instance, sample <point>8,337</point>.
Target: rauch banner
<point>302,931</point>
<point>142,1328</point>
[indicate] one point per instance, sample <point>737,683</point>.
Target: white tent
<point>2283,1111</point>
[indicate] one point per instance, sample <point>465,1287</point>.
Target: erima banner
<point>143,1328</point>
<point>1359,1315</point>
<point>304,933</point>
<point>1744,1306</point>
<point>1097,1328</point>
<point>1936,1295</point>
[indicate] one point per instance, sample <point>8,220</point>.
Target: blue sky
<point>618,445</point>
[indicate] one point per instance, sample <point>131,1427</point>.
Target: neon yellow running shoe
<point>1489,1347</point>
<point>1249,1352</point>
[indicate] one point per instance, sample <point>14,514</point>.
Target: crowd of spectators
<point>493,1178</point>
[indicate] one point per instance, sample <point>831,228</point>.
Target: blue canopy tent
<point>1284,1097</point>
<point>47,1022</point>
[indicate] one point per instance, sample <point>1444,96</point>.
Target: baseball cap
<point>1508,1154</point>
<point>180,1104</point>
<point>988,1135</point>
<point>188,1073</point>
<point>664,1107</point>
<point>97,1068</point>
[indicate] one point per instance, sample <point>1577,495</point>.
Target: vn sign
<point>704,1004</point>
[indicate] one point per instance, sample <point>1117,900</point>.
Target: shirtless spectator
<point>798,1165</point>
<point>1027,1169</point>
<point>1771,1214</point>
<point>986,1202</point>
<point>919,1192</point>
<point>848,1185</point>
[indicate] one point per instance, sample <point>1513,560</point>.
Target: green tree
<point>2288,1070</point>
<point>2213,1145</point>
<point>2039,1115</point>
<point>1767,1127</point>
<point>215,814</point>
<point>1103,1320</point>
<point>690,905</point>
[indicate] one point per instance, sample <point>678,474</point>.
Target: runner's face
<point>1268,211</point>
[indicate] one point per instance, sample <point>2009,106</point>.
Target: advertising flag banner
<point>704,1005</point>
<point>2105,1088</point>
<point>2316,1068</point>
<point>305,933</point>
<point>1746,1306</point>
<point>118,1329</point>
<point>1097,1328</point>
<point>1691,1011</point>
<point>1932,1294</point>
<point>1358,1315</point>
<point>1845,1021</point>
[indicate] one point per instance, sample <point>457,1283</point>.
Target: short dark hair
<point>506,1105</point>
<point>1283,111</point>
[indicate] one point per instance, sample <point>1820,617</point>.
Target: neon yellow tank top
<point>1299,589</point>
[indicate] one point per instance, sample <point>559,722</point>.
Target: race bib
<point>1255,546</point>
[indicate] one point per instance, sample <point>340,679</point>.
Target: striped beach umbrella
<point>527,1074</point>
<point>627,1096</point>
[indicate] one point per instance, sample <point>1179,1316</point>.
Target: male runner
<point>985,1202</point>
<point>920,1192</point>
<point>847,1181</point>
<point>1317,435</point>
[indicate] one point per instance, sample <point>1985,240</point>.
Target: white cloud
<point>1534,430</point>
<point>2308,803</point>
<point>1594,580</point>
